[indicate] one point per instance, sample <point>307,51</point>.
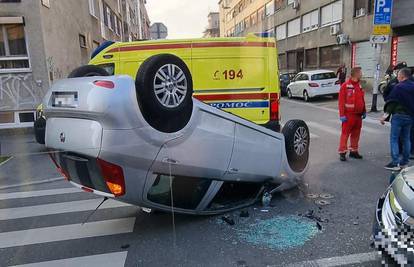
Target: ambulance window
<point>187,192</point>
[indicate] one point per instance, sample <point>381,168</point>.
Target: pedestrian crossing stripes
<point>337,129</point>
<point>66,232</point>
<point>116,259</point>
<point>57,208</point>
<point>21,238</point>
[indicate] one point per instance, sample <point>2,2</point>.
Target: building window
<point>82,41</point>
<point>278,4</point>
<point>310,21</point>
<point>311,58</point>
<point>281,32</point>
<point>270,8</point>
<point>10,1</point>
<point>92,10</point>
<point>282,61</point>
<point>261,14</point>
<point>330,56</point>
<point>109,20</point>
<point>13,50</point>
<point>253,19</point>
<point>293,27</point>
<point>291,60</point>
<point>332,13</point>
<point>363,7</point>
<point>46,3</point>
<point>290,2</point>
<point>116,25</point>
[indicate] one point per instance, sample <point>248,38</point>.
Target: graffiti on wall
<point>18,91</point>
<point>55,73</point>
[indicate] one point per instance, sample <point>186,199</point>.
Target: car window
<point>323,76</point>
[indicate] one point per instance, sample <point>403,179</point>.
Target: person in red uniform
<point>352,111</point>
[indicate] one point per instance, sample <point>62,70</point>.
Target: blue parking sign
<point>383,12</point>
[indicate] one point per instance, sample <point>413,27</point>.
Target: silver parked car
<point>394,225</point>
<point>122,139</point>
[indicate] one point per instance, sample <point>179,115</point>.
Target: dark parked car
<point>284,80</point>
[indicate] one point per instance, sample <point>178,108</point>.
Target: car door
<point>303,84</point>
<point>294,84</point>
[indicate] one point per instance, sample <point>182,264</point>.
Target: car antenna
<point>90,214</point>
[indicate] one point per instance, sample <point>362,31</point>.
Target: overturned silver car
<point>108,137</point>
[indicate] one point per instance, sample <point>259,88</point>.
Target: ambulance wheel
<point>297,141</point>
<point>164,89</point>
<point>88,71</point>
<point>306,96</point>
<point>289,94</point>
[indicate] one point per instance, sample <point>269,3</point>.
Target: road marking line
<point>57,208</point>
<point>40,193</point>
<point>322,127</point>
<point>340,261</point>
<point>7,160</point>
<point>116,259</point>
<point>66,232</point>
<point>32,183</point>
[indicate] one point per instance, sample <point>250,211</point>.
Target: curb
<point>32,183</point>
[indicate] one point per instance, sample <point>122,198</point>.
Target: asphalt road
<point>41,223</point>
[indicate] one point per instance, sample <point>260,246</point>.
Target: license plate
<point>326,84</point>
<point>65,99</point>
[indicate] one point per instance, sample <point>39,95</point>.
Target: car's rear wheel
<point>88,71</point>
<point>306,96</point>
<point>289,94</point>
<point>297,142</point>
<point>164,90</point>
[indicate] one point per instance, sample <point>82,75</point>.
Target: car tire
<point>289,94</point>
<point>297,142</point>
<point>164,89</point>
<point>40,130</point>
<point>306,97</point>
<point>335,96</point>
<point>88,71</point>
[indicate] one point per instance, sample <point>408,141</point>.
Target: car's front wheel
<point>297,142</point>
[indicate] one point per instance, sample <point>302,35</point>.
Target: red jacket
<point>351,99</point>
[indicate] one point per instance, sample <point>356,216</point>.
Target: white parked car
<point>310,84</point>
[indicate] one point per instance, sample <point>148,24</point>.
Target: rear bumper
<point>272,125</point>
<point>323,92</point>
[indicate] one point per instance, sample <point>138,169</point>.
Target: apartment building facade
<point>213,25</point>
<point>311,34</point>
<point>42,41</point>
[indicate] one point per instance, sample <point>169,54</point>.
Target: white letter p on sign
<point>380,4</point>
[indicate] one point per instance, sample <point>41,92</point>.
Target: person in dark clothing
<point>400,105</point>
<point>341,74</point>
<point>393,78</point>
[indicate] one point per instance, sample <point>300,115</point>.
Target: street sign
<point>383,12</point>
<point>379,39</point>
<point>382,17</point>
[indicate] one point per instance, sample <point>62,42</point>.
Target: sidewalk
<point>29,162</point>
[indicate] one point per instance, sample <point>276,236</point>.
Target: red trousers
<point>350,128</point>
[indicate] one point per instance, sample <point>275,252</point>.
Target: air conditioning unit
<point>295,4</point>
<point>360,12</point>
<point>335,29</point>
<point>342,39</point>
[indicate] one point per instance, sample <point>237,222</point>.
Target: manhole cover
<point>326,196</point>
<point>312,196</point>
<point>322,202</point>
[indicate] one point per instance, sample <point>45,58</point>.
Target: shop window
<point>13,50</point>
<point>330,56</point>
<point>291,60</point>
<point>311,58</point>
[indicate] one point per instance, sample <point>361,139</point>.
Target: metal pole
<point>378,49</point>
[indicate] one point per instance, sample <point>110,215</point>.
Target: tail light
<point>274,107</point>
<point>337,82</point>
<point>104,84</point>
<point>60,170</point>
<point>113,176</point>
<point>313,84</point>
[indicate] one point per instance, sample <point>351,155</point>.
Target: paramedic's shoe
<point>355,155</point>
<point>342,156</point>
<point>392,167</point>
